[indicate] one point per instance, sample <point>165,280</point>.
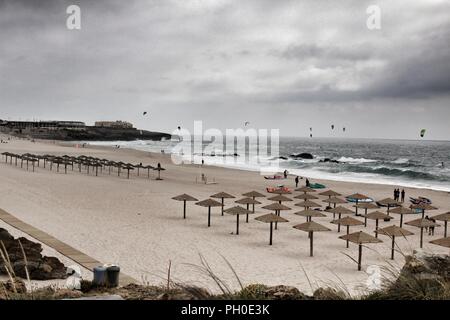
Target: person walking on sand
<point>403,195</point>
<point>307,182</point>
<point>296,181</point>
<point>395,194</point>
<point>285,173</point>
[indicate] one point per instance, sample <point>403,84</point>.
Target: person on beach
<point>296,181</point>
<point>285,173</point>
<point>403,195</point>
<point>307,182</point>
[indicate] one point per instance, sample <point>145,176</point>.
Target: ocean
<point>423,164</point>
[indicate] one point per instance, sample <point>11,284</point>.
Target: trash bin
<point>113,275</point>
<point>100,276</point>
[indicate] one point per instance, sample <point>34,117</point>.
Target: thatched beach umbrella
<point>209,203</point>
<point>248,201</point>
<point>128,167</point>
<point>149,167</point>
<point>330,193</point>
<point>358,197</point>
<point>277,207</point>
<point>421,223</point>
<point>360,238</point>
<point>306,196</point>
<point>401,211</point>
<point>271,218</point>
<point>443,217</point>
<point>308,204</point>
<point>394,231</point>
<point>253,195</point>
<point>389,202</point>
<point>305,189</point>
<point>309,214</point>
<point>443,242</point>
<point>340,210</point>
<point>238,210</point>
<point>366,206</point>
<point>311,227</point>
<point>377,215</point>
<point>159,169</point>
<point>347,221</point>
<point>222,196</point>
<point>184,197</point>
<point>279,198</point>
<point>334,201</point>
<point>423,207</point>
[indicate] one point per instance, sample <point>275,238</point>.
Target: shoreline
<point>137,225</point>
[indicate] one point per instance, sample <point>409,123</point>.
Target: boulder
<point>302,156</point>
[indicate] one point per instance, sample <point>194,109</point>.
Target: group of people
<point>399,196</point>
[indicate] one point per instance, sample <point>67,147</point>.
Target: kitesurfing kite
<point>422,133</point>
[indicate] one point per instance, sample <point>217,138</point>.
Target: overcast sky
<point>282,64</point>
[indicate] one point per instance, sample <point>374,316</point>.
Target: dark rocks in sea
<point>328,160</point>
<point>283,158</point>
<point>39,267</point>
<point>304,155</point>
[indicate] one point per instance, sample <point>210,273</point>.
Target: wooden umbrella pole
<point>339,225</point>
<point>271,233</point>
<point>393,247</point>
<point>356,207</point>
<point>237,224</point>
<point>348,232</point>
<point>421,238</point>
<point>445,229</point>
<point>222,205</point>
<point>311,235</point>
<point>184,209</point>
<point>246,219</point>
<point>253,208</point>
<point>359,257</point>
<point>401,220</point>
<point>276,223</point>
<point>376,228</point>
<point>209,216</point>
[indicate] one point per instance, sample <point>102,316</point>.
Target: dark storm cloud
<point>211,60</point>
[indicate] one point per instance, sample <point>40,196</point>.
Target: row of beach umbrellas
<point>311,210</point>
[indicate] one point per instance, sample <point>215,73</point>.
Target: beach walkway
<point>63,248</point>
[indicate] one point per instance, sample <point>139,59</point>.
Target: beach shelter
<point>237,211</point>
<point>253,195</point>
<point>334,201</point>
<point>443,242</point>
<point>149,167</point>
<point>309,214</point>
<point>209,203</point>
<point>222,196</point>
<point>357,197</point>
<point>306,196</point>
<point>128,167</point>
<point>389,202</point>
<point>277,207</point>
<point>348,222</point>
<point>360,238</point>
<point>248,201</point>
<point>443,217</point>
<point>330,193</point>
<point>305,189</point>
<point>394,231</point>
<point>159,169</point>
<point>377,215</point>
<point>311,227</point>
<point>421,223</point>
<point>366,206</point>
<point>423,207</point>
<point>340,210</point>
<point>308,204</point>
<point>279,198</point>
<point>184,197</point>
<point>401,211</point>
<point>271,218</point>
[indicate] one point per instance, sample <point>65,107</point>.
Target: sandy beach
<point>135,223</point>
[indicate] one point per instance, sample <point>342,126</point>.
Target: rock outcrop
<point>304,155</point>
<point>39,267</point>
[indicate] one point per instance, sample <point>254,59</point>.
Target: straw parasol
<point>377,215</point>
<point>223,195</point>
<point>253,195</point>
<point>248,201</point>
<point>277,207</point>
<point>423,207</point>
<point>308,204</point>
<point>443,217</point>
<point>209,203</point>
<point>184,197</point>
<point>311,227</point>
<point>159,169</point>
<point>360,238</point>
<point>238,210</point>
<point>389,202</point>
<point>305,189</point>
<point>401,211</point>
<point>306,196</point>
<point>443,242</point>
<point>340,210</point>
<point>357,197</point>
<point>279,198</point>
<point>271,218</point>
<point>330,193</point>
<point>348,221</point>
<point>308,213</point>
<point>366,206</point>
<point>394,231</point>
<point>334,201</point>
<point>421,223</point>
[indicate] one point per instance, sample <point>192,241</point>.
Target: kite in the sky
<point>422,133</point>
